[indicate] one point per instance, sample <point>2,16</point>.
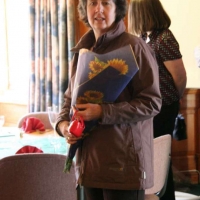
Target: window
<point>14,51</point>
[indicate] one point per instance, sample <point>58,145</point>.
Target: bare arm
<point>177,70</point>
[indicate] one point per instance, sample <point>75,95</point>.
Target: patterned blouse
<point>166,48</point>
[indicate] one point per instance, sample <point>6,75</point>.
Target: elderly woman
<point>115,161</point>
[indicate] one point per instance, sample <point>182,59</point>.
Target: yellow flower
<point>119,65</point>
<point>91,75</point>
<point>96,67</point>
<point>94,96</point>
<point>81,100</point>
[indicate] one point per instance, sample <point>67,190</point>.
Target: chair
<point>162,149</point>
<point>36,177</point>
<point>43,116</point>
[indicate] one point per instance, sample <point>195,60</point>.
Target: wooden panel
<point>198,161</point>
<point>186,147</point>
<point>184,163</point>
<point>198,142</point>
<point>186,153</point>
<point>198,132</point>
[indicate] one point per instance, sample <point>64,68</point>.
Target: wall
<point>185,25</point>
<point>12,113</point>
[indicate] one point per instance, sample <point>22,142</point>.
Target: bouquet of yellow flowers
<point>100,78</point>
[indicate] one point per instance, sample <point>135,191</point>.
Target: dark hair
<point>121,8</point>
<point>147,15</point>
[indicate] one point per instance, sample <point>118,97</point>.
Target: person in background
<point>115,160</point>
<point>148,20</point>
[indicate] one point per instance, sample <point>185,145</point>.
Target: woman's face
<point>101,15</point>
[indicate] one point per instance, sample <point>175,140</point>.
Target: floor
<point>185,190</point>
<point>188,188</point>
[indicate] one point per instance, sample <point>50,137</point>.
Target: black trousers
<point>164,124</point>
<point>107,194</point>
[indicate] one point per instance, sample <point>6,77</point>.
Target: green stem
<point>68,164</point>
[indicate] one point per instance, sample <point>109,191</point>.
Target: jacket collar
<point>88,40</point>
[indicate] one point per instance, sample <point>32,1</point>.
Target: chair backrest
<point>162,150</point>
<point>36,177</point>
<point>43,116</point>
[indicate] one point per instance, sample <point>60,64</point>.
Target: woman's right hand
<point>70,138</point>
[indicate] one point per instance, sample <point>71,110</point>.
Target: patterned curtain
<point>52,37</point>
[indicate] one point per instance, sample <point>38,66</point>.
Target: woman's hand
<point>88,111</point>
<point>63,127</point>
